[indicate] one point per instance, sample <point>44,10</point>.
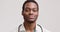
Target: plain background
<point>10,14</point>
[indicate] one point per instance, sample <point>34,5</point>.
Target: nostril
<point>31,11</point>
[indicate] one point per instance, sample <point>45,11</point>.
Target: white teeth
<point>31,16</point>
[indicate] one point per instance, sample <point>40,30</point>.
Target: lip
<point>31,17</point>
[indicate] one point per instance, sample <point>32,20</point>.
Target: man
<point>30,11</point>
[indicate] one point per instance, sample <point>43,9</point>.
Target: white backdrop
<point>10,14</point>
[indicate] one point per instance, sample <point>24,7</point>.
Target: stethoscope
<point>40,27</point>
<point>34,29</point>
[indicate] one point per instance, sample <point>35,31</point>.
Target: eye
<point>35,10</point>
<point>27,10</point>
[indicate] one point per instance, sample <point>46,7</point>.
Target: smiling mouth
<point>31,17</point>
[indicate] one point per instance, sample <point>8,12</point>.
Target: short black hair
<point>28,2</point>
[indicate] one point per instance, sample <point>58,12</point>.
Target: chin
<point>31,21</point>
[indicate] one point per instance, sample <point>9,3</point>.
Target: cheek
<point>36,13</point>
<point>25,14</point>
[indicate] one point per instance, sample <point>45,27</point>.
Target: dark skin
<point>30,15</point>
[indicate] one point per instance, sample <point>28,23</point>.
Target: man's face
<point>30,12</point>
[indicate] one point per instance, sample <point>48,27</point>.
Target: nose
<point>31,12</point>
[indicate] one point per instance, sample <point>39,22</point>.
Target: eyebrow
<point>30,8</point>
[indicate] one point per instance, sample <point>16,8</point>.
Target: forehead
<point>30,5</point>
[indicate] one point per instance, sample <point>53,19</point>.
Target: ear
<point>22,12</point>
<point>30,0</point>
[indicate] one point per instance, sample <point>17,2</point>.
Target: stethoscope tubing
<point>34,30</point>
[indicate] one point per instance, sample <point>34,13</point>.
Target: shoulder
<point>45,30</point>
<point>39,27</point>
<point>21,28</point>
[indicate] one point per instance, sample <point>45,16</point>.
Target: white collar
<point>22,28</point>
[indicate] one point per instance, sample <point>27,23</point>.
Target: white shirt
<point>38,29</point>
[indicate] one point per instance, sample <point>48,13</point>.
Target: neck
<point>29,26</point>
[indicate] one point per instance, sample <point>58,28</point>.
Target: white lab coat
<point>38,29</point>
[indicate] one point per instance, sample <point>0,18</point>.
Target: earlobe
<point>22,12</point>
